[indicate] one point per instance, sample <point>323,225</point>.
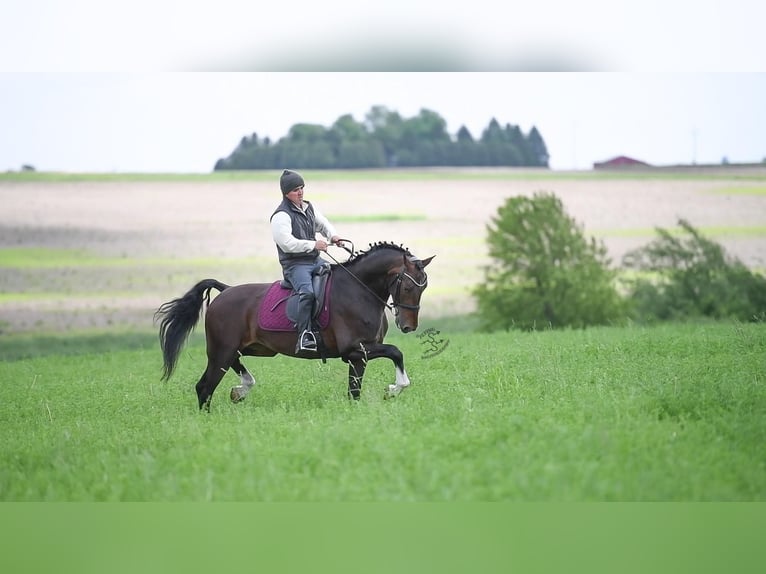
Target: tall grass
<point>665,413</point>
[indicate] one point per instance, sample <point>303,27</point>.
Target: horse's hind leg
<point>239,392</point>
<point>357,363</point>
<point>207,384</point>
<point>216,369</point>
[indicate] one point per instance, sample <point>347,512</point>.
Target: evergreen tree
<point>464,136</point>
<point>493,133</point>
<point>538,150</point>
<point>385,139</point>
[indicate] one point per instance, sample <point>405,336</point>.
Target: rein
<point>393,307</point>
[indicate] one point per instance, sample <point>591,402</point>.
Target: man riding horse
<point>353,326</point>
<point>294,225</point>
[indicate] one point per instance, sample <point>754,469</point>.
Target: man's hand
<point>321,245</point>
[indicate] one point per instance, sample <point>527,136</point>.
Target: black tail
<point>178,319</point>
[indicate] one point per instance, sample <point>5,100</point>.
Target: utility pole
<point>694,146</point>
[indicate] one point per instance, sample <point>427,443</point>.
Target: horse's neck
<point>374,272</point>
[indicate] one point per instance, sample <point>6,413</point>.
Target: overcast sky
<point>184,122</point>
<point>148,86</point>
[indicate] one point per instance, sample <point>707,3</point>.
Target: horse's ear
<point>427,261</point>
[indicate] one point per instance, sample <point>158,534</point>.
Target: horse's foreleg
<point>402,380</point>
<point>239,392</point>
<point>393,353</point>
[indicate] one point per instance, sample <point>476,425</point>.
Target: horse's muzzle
<point>406,327</point>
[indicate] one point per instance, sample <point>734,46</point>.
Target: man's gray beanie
<point>289,181</point>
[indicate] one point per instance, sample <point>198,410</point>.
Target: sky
<point>185,122</point>
<point>171,86</point>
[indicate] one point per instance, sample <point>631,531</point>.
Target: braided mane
<point>374,247</point>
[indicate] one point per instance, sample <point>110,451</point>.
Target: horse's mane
<point>375,247</point>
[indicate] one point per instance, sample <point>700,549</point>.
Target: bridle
<point>395,292</point>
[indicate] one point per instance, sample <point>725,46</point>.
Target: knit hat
<point>289,181</point>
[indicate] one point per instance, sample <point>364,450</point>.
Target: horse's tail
<point>178,319</point>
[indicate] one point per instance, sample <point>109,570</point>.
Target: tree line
<point>386,139</point>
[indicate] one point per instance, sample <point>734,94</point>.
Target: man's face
<point>296,195</point>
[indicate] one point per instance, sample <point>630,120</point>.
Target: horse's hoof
<point>237,394</point>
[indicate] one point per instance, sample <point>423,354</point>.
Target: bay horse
<point>358,292</point>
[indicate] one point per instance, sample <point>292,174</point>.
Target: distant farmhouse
<point>623,162</point>
<point>619,162</point>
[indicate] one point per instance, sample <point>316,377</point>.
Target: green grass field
<point>667,413</point>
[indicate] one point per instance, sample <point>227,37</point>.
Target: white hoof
<point>402,382</point>
<point>238,394</point>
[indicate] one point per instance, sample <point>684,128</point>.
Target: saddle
<point>278,310</point>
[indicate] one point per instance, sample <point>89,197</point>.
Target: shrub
<point>545,273</point>
<point>691,276</point>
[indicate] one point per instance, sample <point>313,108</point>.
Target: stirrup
<point>307,345</point>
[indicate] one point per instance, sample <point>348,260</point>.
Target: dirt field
<point>112,252</point>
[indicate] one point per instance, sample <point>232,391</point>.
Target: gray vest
<point>303,228</point>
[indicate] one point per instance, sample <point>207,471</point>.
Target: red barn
<point>621,161</point>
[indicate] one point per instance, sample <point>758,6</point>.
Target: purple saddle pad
<point>272,314</point>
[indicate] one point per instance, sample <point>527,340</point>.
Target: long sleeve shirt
<point>282,231</point>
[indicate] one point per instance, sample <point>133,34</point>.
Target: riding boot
<point>306,340</point>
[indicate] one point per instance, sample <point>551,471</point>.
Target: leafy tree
<point>307,133</point>
<point>544,272</point>
<point>357,154</point>
<point>386,126</point>
<point>315,155</point>
<point>346,128</point>
<point>688,275</point>
<point>426,126</point>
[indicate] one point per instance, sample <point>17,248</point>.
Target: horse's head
<point>410,280</point>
